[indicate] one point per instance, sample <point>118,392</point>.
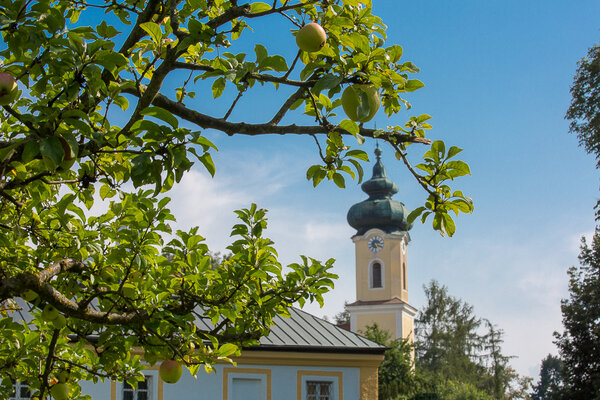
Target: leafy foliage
<point>396,374</point>
<point>584,111</point>
<point>578,344</point>
<point>111,113</point>
<point>550,384</point>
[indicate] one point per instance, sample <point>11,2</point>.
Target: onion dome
<point>379,210</point>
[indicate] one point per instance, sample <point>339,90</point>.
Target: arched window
<point>376,281</point>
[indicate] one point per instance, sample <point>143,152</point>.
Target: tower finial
<point>378,151</point>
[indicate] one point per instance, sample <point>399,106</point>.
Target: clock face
<point>375,244</point>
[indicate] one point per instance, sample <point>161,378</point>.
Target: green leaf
<point>112,61</point>
<point>106,31</point>
<point>453,151</point>
<point>161,114</point>
<point>359,169</point>
<point>395,53</point>
<point>414,214</point>
<point>413,84</point>
<point>218,87</point>
<point>449,225</point>
<point>458,168</point>
<point>312,171</point>
<point>350,126</point>
<point>360,154</point>
<point>227,350</point>
<point>276,63</point>
<point>208,163</point>
<point>32,149</point>
<point>52,152</point>
<point>261,53</point>
<point>339,180</point>
<point>153,29</point>
<point>259,7</point>
<point>328,81</point>
<point>439,148</point>
<point>423,117</point>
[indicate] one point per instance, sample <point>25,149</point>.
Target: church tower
<point>381,258</point>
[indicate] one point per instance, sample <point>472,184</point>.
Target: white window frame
<point>264,375</point>
<point>18,385</point>
<point>152,381</point>
<point>331,379</point>
<point>370,273</point>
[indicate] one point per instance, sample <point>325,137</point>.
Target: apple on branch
<point>360,102</point>
<point>170,371</point>
<point>49,313</point>
<point>8,88</point>
<point>60,391</point>
<point>311,37</point>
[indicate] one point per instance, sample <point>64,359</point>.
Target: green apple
<point>59,322</point>
<point>8,88</point>
<point>311,37</point>
<point>49,313</point>
<point>360,102</point>
<point>60,391</point>
<point>170,371</point>
<point>63,376</point>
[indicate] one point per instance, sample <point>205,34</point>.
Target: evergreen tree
<point>579,344</point>
<point>500,375</point>
<point>550,383</point>
<point>459,355</point>
<point>447,340</point>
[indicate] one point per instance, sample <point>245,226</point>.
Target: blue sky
<point>497,77</point>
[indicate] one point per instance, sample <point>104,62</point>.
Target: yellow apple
<point>311,37</point>
<point>360,102</point>
<point>170,371</point>
<point>8,88</point>
<point>60,391</point>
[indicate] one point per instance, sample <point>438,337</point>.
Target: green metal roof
<point>305,332</point>
<point>379,210</point>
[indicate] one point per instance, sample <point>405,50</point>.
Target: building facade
<point>303,358</point>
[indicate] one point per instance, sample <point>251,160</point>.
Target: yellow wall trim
<point>335,374</point>
<point>308,359</point>
<point>234,370</point>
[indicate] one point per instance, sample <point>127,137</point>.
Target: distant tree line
<point>457,356</point>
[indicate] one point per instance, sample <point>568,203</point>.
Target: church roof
<point>379,210</point>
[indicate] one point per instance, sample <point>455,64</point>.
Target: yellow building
<point>381,241</point>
